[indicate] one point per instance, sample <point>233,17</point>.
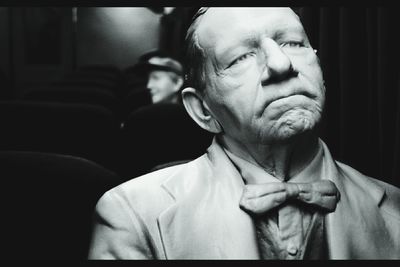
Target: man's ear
<point>199,111</point>
<point>178,84</point>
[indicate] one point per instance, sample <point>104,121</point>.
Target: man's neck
<point>281,160</point>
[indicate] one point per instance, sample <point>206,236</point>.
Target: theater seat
<point>135,77</point>
<point>86,83</point>
<point>100,68</point>
<point>113,77</point>
<point>136,98</point>
<point>159,134</point>
<point>48,204</point>
<point>87,131</point>
<point>73,94</point>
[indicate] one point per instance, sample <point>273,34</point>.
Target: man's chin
<point>293,125</point>
<point>288,133</point>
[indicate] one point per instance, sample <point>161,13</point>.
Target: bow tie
<point>260,198</point>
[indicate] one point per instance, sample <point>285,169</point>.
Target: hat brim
<point>148,67</point>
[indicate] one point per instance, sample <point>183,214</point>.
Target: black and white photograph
<point>133,132</point>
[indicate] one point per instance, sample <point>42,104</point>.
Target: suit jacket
<point>191,211</point>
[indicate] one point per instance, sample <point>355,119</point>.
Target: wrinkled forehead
<point>229,24</point>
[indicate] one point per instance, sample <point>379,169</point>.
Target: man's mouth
<point>288,94</point>
<point>301,92</point>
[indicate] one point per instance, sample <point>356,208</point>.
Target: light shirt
<point>292,230</point>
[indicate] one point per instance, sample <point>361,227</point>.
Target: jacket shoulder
<point>146,195</point>
<point>146,192</point>
<point>391,199</point>
<point>126,216</point>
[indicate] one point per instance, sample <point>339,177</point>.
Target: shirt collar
<point>253,174</point>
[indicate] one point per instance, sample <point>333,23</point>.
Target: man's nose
<point>278,66</point>
<point>149,85</point>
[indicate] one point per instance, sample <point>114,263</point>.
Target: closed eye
<point>292,44</point>
<point>241,58</point>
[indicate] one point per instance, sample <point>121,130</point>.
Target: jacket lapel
<point>356,229</point>
<point>205,222</point>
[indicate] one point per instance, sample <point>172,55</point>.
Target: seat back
<point>73,94</point>
<point>74,129</point>
<point>158,134</point>
<point>50,204</point>
<point>135,99</point>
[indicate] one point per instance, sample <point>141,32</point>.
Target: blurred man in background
<point>165,76</point>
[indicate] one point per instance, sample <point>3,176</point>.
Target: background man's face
<point>251,87</point>
<point>161,85</point>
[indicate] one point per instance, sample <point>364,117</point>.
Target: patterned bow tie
<point>260,198</point>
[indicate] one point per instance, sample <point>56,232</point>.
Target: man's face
<point>161,85</point>
<point>264,83</point>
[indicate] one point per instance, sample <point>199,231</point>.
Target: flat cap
<point>158,60</point>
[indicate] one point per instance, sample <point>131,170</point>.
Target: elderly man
<point>267,188</point>
<point>165,76</point>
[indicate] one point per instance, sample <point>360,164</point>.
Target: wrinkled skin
<point>264,83</point>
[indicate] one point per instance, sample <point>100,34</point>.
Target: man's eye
<point>292,44</point>
<point>241,58</point>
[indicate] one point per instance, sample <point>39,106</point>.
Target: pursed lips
<point>284,93</point>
